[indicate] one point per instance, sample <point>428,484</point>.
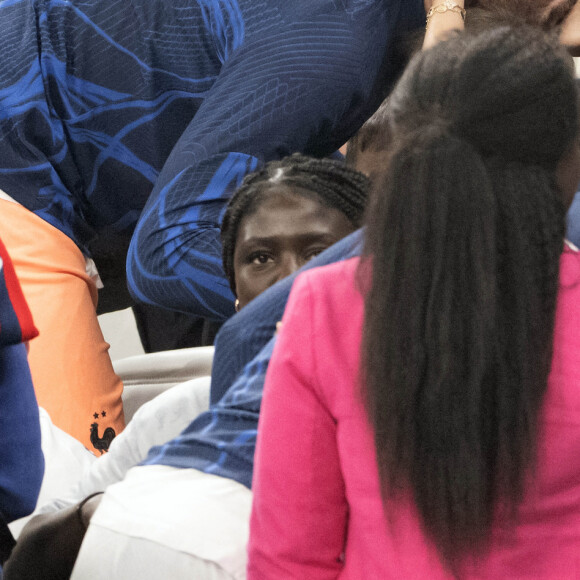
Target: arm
<point>441,24</point>
<point>299,516</point>
<point>301,82</point>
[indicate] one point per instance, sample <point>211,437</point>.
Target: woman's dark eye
<point>260,258</point>
<point>314,252</point>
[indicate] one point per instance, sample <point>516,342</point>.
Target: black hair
<point>482,15</point>
<point>329,181</point>
<point>373,137</point>
<point>464,233</point>
<point>485,13</point>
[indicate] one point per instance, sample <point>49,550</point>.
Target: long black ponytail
<point>464,234</point>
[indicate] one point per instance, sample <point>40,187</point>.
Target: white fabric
<point>146,376</point>
<point>65,461</point>
<point>170,366</point>
<point>5,196</point>
<point>160,563</point>
<point>163,522</point>
<point>93,273</point>
<point>74,473</point>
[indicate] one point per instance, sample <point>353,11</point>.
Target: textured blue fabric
<point>10,331</point>
<point>573,217</point>
<point>21,459</point>
<point>222,440</point>
<point>146,114</point>
<point>573,221</point>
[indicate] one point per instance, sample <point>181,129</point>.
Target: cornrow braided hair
<point>330,181</point>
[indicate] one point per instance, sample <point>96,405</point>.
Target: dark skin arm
<point>49,544</point>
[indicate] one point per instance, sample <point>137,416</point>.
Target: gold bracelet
<point>447,6</point>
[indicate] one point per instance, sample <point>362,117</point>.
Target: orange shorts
<point>71,369</point>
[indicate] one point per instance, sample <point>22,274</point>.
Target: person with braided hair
<point>285,214</point>
<point>438,397</point>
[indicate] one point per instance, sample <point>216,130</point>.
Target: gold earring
<point>237,305</point>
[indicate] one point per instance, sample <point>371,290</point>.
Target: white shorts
<point>163,522</point>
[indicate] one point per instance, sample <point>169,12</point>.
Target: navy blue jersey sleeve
<point>304,79</point>
<point>21,459</point>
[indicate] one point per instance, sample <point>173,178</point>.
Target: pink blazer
<point>317,511</point>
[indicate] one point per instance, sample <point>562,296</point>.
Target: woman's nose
<point>289,264</point>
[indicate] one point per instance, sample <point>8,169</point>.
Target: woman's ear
<point>570,34</point>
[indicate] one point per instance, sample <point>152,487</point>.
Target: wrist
<point>433,3</point>
<point>447,8</point>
